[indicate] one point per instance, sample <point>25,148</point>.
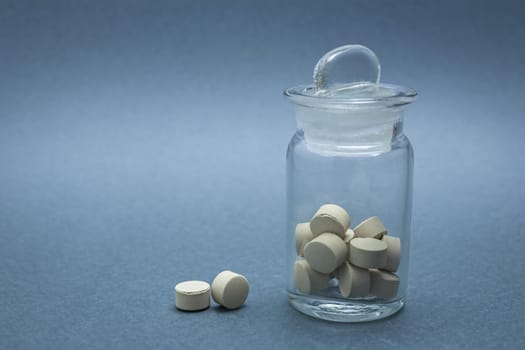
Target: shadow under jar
<point>350,152</point>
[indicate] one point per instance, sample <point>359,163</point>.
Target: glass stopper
<point>346,66</point>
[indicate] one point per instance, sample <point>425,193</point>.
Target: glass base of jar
<point>344,311</point>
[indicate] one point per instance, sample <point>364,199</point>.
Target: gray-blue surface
<point>142,144</point>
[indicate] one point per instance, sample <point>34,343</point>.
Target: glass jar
<point>349,151</point>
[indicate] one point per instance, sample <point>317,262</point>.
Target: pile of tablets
<point>228,289</point>
<point>363,260</point>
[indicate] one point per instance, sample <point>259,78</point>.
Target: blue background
<point>142,144</point>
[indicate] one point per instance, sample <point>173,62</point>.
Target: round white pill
<point>192,295</point>
<point>371,227</point>
<point>330,218</point>
<point>307,280</point>
<point>353,281</point>
<point>230,289</point>
<point>393,253</point>
<point>367,252</point>
<point>326,252</point>
<point>303,235</point>
<point>383,284</point>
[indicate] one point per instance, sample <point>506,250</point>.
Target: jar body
<point>365,185</point>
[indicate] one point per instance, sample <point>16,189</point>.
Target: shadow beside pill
<point>174,308</point>
<point>221,309</point>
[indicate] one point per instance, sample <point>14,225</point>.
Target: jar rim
<point>392,96</point>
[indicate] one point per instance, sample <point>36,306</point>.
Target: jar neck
<point>359,131</point>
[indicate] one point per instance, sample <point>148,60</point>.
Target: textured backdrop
<point>142,143</point>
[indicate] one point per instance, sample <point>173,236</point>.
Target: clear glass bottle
<point>349,150</point>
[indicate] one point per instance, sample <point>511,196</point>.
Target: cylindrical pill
<point>326,252</point>
<point>353,281</point>
<point>330,218</point>
<point>368,252</point>
<point>230,289</point>
<point>371,227</point>
<point>307,280</point>
<point>383,284</point>
<point>393,253</point>
<point>303,235</point>
<point>192,295</point>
